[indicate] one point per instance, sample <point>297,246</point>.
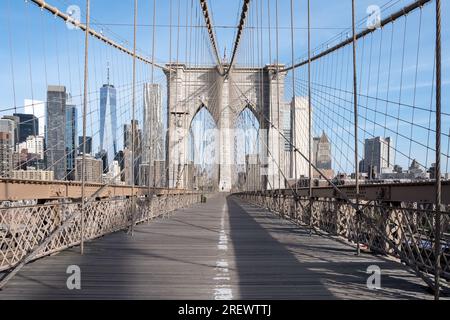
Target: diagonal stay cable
<point>295,149</point>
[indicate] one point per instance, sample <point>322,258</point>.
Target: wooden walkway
<point>224,249</point>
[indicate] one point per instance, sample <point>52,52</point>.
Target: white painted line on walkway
<point>222,290</point>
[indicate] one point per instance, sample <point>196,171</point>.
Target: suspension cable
<point>57,13</point>
<point>438,214</point>
<point>241,27</point>
<point>355,101</point>
<point>85,102</point>
<point>211,33</point>
<point>395,16</point>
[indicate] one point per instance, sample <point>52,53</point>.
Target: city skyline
<point>225,150</point>
<point>72,147</point>
<point>111,84</point>
<point>35,89</point>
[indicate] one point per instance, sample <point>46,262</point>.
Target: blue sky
<point>43,51</point>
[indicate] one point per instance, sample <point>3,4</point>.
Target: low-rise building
<point>35,175</point>
<point>6,154</point>
<point>93,170</point>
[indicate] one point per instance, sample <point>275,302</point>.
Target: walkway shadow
<point>273,259</point>
<point>266,269</point>
<point>286,263</point>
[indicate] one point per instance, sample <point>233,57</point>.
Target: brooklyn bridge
<point>258,149</point>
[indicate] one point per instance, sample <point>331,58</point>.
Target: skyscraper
<point>127,171</point>
<point>287,129</point>
<point>322,152</point>
<point>71,139</point>
<point>108,120</point>
<point>88,145</point>
<point>285,142</point>
<point>56,131</point>
<point>120,160</point>
<point>377,155</point>
<point>103,156</point>
<point>36,108</point>
<point>159,173</point>
<point>152,137</point>
<point>28,126</point>
<point>128,145</point>
<point>127,136</point>
<point>253,172</point>
<point>300,133</point>
<point>10,124</point>
<point>153,126</point>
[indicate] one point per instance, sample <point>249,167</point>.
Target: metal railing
<point>403,230</point>
<point>24,229</point>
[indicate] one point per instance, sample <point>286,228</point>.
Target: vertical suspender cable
<point>437,235</point>
<point>11,56</point>
<point>311,221</point>
<point>355,101</point>
<point>294,107</point>
<point>265,182</point>
<point>133,122</point>
<point>85,102</point>
<point>185,120</point>
<point>170,162</point>
<point>278,92</point>
<point>270,129</point>
<point>243,18</point>
<point>151,161</point>
<point>180,168</point>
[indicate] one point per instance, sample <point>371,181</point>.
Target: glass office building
<point>108,121</point>
<point>71,139</point>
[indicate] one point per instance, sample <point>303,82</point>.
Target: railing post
<point>341,218</point>
<point>311,216</point>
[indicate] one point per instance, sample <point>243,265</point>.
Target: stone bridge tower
<point>225,97</point>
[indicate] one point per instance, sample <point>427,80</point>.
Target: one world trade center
<point>108,120</point>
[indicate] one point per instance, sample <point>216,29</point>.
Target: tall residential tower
<point>71,139</point>
<point>56,131</point>
<point>152,136</point>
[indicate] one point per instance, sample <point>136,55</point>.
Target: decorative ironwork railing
<point>24,229</point>
<point>404,230</point>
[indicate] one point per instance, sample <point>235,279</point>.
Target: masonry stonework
<point>225,97</point>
